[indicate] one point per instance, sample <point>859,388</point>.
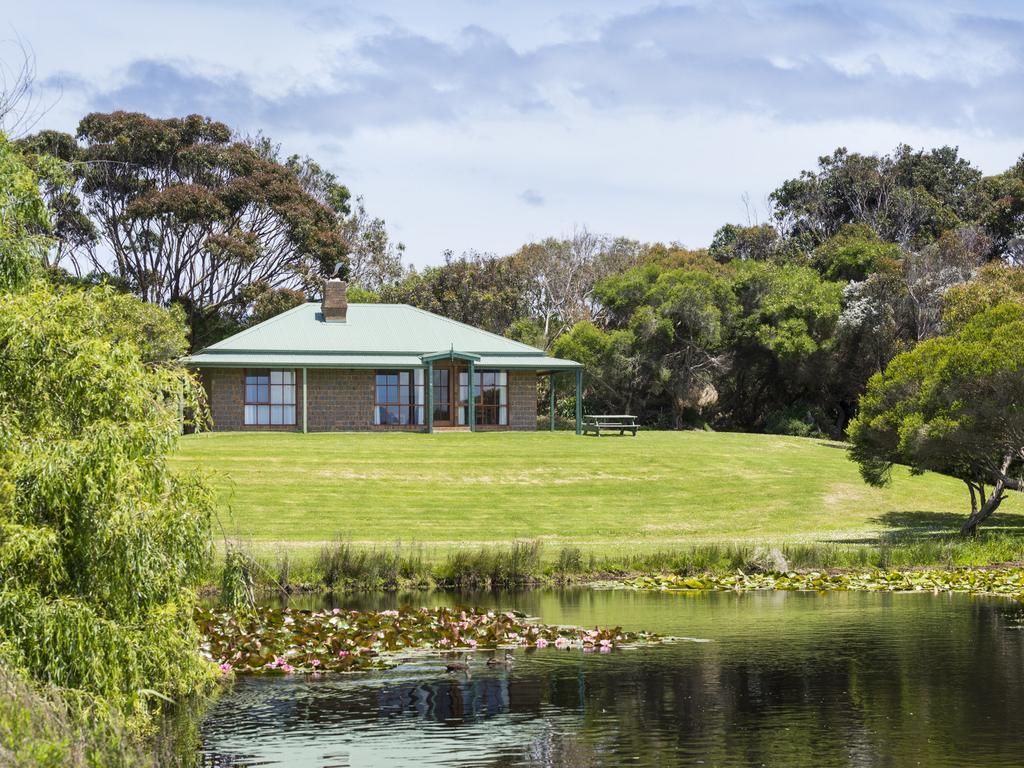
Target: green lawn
<point>658,490</point>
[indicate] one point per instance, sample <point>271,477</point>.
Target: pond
<point>784,679</point>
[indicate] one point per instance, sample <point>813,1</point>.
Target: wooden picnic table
<point>610,422</point>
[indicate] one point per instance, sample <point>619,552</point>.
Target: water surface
<point>787,679</point>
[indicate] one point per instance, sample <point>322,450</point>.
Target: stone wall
<point>522,400</point>
<point>342,401</point>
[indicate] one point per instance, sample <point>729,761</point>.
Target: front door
<point>443,392</point>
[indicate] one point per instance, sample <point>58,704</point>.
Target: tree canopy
<point>178,212</point>
<point>101,543</point>
<point>953,404</point>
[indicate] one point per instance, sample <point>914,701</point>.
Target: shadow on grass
<point>906,527</point>
<point>833,444</point>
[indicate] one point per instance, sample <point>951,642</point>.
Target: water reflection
<point>789,679</point>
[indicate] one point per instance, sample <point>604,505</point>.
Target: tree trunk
<point>970,528</point>
<point>990,504</point>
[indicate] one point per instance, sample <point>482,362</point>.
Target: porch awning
<point>527,363</point>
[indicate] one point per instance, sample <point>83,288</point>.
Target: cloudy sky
<point>483,125</point>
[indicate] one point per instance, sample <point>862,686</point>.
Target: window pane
<point>289,414</point>
<point>263,393</point>
<point>277,394</point>
<point>404,395</point>
<point>276,414</point>
<point>263,414</point>
<point>289,395</point>
<point>381,380</point>
<point>275,377</point>
<point>403,377</point>
<point>393,414</point>
<point>250,393</point>
<point>288,377</point>
<point>250,414</point>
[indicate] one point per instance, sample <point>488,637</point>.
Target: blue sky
<point>483,125</point>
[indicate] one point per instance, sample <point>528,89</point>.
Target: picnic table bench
<point>610,422</point>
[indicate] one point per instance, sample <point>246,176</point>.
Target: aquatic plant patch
<point>282,641</point>
<point>995,581</point>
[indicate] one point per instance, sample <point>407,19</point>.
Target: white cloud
<point>650,122</point>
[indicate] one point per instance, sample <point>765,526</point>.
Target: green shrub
<point>102,545</point>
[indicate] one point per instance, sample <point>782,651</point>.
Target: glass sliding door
<point>442,396</point>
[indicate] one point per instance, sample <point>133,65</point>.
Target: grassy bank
<point>342,566</point>
<point>611,498</point>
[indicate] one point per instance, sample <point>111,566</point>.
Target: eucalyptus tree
<point>180,212</point>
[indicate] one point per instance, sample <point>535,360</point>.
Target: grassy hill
<point>608,495</point>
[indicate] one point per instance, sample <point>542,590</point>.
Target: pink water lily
<point>315,663</point>
<point>542,643</point>
<point>342,654</point>
<point>561,642</point>
<point>225,667</point>
<point>606,643</point>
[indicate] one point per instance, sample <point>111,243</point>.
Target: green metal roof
<point>373,336</point>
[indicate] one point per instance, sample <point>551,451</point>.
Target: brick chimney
<point>335,303</point>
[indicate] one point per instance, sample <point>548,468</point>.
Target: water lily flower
<point>471,643</point>
<point>606,644</point>
<point>342,654</point>
<point>389,613</point>
<point>542,643</point>
<point>225,667</point>
<point>315,663</point>
<point>287,668</point>
<point>561,642</point>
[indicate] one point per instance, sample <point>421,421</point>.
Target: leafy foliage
<point>190,216</point>
<point>100,542</point>
<point>951,405</point>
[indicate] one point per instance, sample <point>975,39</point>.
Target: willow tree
<point>101,542</point>
<point>954,405</point>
